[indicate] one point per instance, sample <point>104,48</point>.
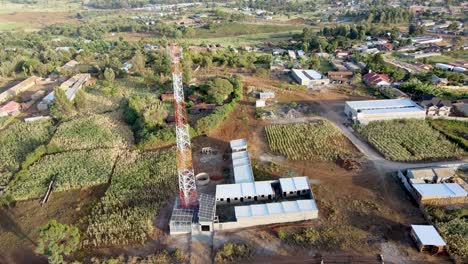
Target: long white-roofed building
<point>363,112</point>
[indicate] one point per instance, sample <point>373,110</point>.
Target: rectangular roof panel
<point>238,143</point>
<point>428,235</point>
<point>380,104</point>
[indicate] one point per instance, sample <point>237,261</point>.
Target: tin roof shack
<point>340,76</point>
<point>70,86</point>
<point>9,109</point>
<point>296,186</point>
<point>363,112</point>
<point>19,88</point>
<point>202,108</point>
<point>266,95</point>
<point>260,103</point>
<point>427,239</point>
<point>309,78</point>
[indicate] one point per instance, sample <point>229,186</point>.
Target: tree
<point>80,100</point>
<point>109,74</point>
<point>62,106</point>
<point>219,89</point>
<point>138,62</point>
<point>57,240</point>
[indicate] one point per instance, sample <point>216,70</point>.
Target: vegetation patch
<point>456,131</point>
<point>141,184</point>
<point>408,140</point>
<point>318,140</point>
<point>232,253</point>
<point>17,141</point>
<point>71,170</point>
<point>160,257</point>
<point>453,226</point>
<point>91,132</point>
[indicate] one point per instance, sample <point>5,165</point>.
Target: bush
<point>230,253</point>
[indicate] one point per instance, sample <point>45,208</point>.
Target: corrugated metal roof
<point>269,209</point>
<point>238,143</point>
<point>243,190</point>
<point>294,184</point>
<point>380,104</point>
<point>394,110</point>
<point>428,235</point>
<point>442,190</point>
<point>243,173</point>
<point>307,74</point>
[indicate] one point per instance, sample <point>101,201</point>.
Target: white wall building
<point>244,192</point>
<point>309,78</point>
<point>363,112</point>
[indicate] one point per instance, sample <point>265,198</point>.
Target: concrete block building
<point>309,78</point>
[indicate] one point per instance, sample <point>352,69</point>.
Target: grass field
<point>408,140</point>
<point>34,16</point>
<point>318,140</point>
<point>247,39</point>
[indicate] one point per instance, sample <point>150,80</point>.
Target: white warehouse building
<point>363,112</point>
<point>309,78</point>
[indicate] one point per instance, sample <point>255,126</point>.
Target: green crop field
<point>71,170</point>
<point>456,131</point>
<point>408,140</point>
<point>318,140</point>
<point>17,141</point>
<point>141,185</point>
<point>91,132</point>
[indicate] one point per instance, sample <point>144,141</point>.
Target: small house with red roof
<point>376,80</point>
<point>10,108</point>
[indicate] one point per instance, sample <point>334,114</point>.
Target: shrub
<point>230,253</point>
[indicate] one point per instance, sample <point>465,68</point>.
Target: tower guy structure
<point>188,197</point>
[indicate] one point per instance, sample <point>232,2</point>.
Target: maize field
<point>17,141</point>
<point>71,170</point>
<point>141,185</point>
<point>318,140</point>
<point>92,132</point>
<point>408,140</point>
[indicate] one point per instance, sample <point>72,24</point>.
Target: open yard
<point>408,140</point>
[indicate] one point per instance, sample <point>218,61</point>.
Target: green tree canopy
<point>219,89</point>
<point>57,240</point>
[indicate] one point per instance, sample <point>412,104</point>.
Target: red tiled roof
<point>374,78</point>
<point>203,107</point>
<point>10,106</point>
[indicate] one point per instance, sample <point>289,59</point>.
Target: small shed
<point>10,108</point>
<point>181,221</point>
<point>427,239</point>
<point>260,103</point>
<point>266,95</point>
<point>294,186</point>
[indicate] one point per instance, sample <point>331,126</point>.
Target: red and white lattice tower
<point>188,197</point>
